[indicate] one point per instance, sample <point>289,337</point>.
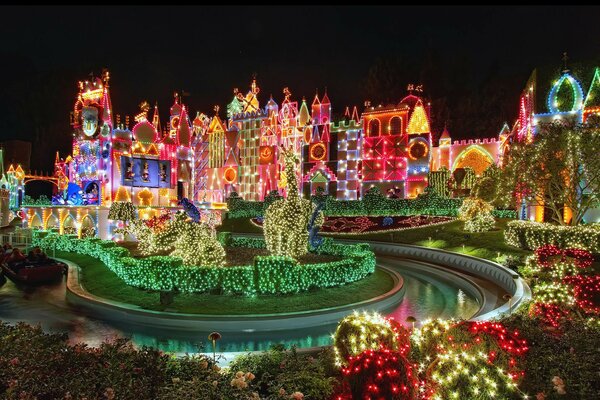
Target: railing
<point>19,238</point>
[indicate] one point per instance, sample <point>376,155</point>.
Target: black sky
<point>207,51</point>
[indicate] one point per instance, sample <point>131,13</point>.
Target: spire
<point>316,101</point>
<point>419,123</point>
<point>325,99</point>
<point>593,95</point>
<point>347,112</point>
<point>184,128</point>
<point>106,105</point>
<point>156,118</point>
<point>316,137</point>
<point>565,58</point>
<point>445,133</point>
<point>355,114</point>
<point>303,115</point>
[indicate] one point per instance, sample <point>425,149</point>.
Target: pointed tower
<point>156,119</point>
<point>184,133</point>
<point>325,114</point>
<point>441,154</point>
<point>106,103</point>
<point>303,115</point>
<point>355,116</point>
<point>236,106</point>
<point>419,122</point>
<point>347,113</point>
<point>316,110</point>
<point>591,105</point>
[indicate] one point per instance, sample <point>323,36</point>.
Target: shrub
<point>359,332</point>
<point>573,356</point>
<point>477,215</point>
<point>122,211</point>
<point>379,374</point>
<point>285,371</point>
<point>270,274</point>
<point>286,220</point>
<point>531,235</point>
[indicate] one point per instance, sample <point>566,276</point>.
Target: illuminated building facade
<point>566,100</point>
<point>206,159</point>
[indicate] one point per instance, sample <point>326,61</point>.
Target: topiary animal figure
<point>286,220</point>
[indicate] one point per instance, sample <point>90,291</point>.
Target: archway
<point>69,225</point>
<point>475,157</point>
<point>395,126</point>
<point>52,222</point>
<point>319,180</point>
<point>374,128</point>
<point>36,222</point>
<point>88,227</point>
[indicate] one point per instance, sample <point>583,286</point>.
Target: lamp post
<point>412,320</point>
<point>214,336</point>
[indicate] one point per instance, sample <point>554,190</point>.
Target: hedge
<point>267,275</point>
<point>531,235</point>
<point>373,204</point>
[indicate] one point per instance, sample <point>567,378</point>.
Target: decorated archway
<point>52,221</point>
<point>87,227</point>
<point>36,222</point>
<point>475,157</point>
<point>69,225</point>
<point>319,180</point>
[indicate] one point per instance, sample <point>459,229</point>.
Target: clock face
<point>318,152</point>
<point>230,175</point>
<point>175,122</point>
<point>417,150</point>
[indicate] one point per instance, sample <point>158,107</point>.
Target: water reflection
<point>426,297</point>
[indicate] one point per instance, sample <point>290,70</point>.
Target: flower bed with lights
<point>267,275</point>
<point>358,225</point>
<point>564,286</point>
<point>531,235</point>
<point>442,360</point>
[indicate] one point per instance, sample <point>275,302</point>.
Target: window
<point>395,126</point>
<point>374,128</point>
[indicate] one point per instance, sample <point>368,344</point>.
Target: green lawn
<point>450,236</point>
<point>99,280</point>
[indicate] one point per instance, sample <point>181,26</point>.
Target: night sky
<point>472,61</point>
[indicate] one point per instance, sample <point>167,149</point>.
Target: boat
<point>34,272</point>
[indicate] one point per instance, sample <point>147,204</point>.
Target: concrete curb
<point>113,310</point>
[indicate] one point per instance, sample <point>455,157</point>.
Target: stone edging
<point>498,274</point>
<point>113,310</point>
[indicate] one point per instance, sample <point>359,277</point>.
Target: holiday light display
<point>378,374</point>
<point>359,332</point>
<point>558,262</point>
<point>286,220</point>
<point>207,159</point>
<point>532,235</point>
<point>444,359</point>
<point>475,360</point>
<point>554,293</point>
<point>586,291</point>
<point>566,103</point>
<point>268,275</point>
<point>477,215</point>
